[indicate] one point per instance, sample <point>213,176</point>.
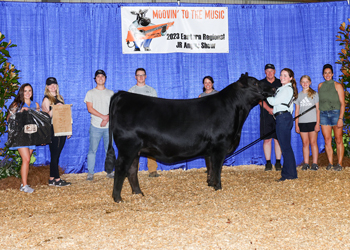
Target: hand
<point>105,117</point>
<point>340,123</point>
<point>297,129</point>
<point>24,108</point>
<point>270,111</point>
<point>59,103</point>
<point>317,127</point>
<point>69,136</point>
<point>103,123</point>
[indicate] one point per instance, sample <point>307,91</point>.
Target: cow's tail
<point>110,157</point>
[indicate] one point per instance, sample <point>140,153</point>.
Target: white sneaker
<point>90,177</point>
<point>26,189</point>
<point>110,175</point>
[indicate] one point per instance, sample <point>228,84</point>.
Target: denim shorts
<point>329,117</point>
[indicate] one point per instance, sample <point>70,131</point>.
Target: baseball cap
<point>269,66</point>
<point>100,71</point>
<point>51,80</point>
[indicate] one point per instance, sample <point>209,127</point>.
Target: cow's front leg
<point>132,176</point>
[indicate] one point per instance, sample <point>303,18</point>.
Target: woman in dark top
<point>53,97</point>
<point>332,108</point>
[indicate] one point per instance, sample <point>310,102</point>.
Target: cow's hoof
<point>138,193</point>
<point>217,188</point>
<point>117,199</point>
<point>210,184</point>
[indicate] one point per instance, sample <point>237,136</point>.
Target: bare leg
<point>25,154</point>
<point>327,134</point>
<point>267,149</point>
<point>338,135</point>
<point>278,151</point>
<point>306,143</point>
<point>314,146</point>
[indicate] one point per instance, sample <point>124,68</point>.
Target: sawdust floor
<point>179,211</point>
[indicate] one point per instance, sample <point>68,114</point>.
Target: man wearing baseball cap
<point>267,122</point>
<point>97,102</point>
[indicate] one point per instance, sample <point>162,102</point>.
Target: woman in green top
<point>332,107</point>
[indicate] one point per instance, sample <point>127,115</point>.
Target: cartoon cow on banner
<point>142,31</point>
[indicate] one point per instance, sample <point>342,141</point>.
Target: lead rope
<point>266,135</point>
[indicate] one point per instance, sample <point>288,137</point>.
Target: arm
<point>317,126</point>
<point>105,118</point>
<point>266,107</point>
<point>46,106</point>
<point>12,110</point>
<point>339,88</point>
<point>37,106</point>
<point>297,109</point>
<point>280,97</point>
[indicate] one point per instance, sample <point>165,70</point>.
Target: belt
<point>280,113</point>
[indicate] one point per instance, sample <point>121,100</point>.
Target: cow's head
<point>262,88</point>
<point>141,18</point>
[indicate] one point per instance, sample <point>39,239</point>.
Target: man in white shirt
<point>143,89</point>
<point>97,102</point>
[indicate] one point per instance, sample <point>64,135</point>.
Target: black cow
<point>176,130</point>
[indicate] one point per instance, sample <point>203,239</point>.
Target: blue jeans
<point>284,124</point>
<point>95,138</point>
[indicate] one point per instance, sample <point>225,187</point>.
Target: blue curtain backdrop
<point>71,41</point>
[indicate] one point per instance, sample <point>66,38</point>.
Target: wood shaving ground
<point>179,211</point>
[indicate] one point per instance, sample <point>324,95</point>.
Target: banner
<point>174,29</point>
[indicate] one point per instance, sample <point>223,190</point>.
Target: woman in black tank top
<point>53,97</point>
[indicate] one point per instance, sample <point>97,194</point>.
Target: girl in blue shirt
<point>282,104</point>
<point>24,101</point>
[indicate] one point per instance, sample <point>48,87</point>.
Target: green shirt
<point>329,98</point>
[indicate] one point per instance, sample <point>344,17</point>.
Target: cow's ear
<point>244,79</point>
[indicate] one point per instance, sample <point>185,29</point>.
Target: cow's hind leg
<point>215,177</point>
<point>209,165</point>
<point>122,167</point>
<point>132,176</point>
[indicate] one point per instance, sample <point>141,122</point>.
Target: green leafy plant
<point>8,86</point>
<point>344,55</point>
<point>346,142</point>
<point>8,80</point>
<point>11,163</point>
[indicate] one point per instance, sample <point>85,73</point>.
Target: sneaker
<point>329,167</point>
<point>110,175</point>
<point>268,166</point>
<point>154,174</point>
<point>314,167</point>
<point>62,183</point>
<point>90,177</point>
<point>337,167</point>
<point>52,182</point>
<point>26,189</point>
<point>278,166</point>
<point>305,167</point>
